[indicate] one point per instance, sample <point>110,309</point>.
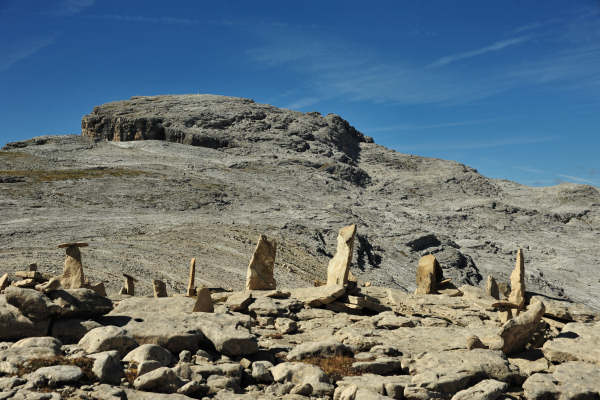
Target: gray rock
<point>71,330</point>
<point>300,373</point>
<point>30,302</point>
<point>488,389</point>
<point>80,303</point>
<point>185,356</point>
<point>452,371</point>
<point>162,380</point>
<point>303,389</point>
<point>569,381</point>
<point>169,322</point>
<point>261,371</point>
<point>194,389</point>
<point>324,348</point>
<point>286,326</point>
<point>217,383</point>
<point>390,386</point>
<point>44,342</point>
<point>107,367</point>
<point>380,366</point>
<point>148,365</point>
<point>576,342</point>
<point>146,352</point>
<point>55,375</point>
<point>107,338</point>
<point>15,356</point>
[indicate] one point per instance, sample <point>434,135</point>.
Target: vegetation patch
<point>336,367</point>
<point>131,373</point>
<point>39,175</point>
<point>84,363</point>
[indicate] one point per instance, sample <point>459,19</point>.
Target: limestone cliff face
<point>217,122</point>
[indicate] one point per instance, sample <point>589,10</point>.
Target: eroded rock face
<point>576,342</point>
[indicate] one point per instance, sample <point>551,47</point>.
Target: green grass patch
<point>39,175</point>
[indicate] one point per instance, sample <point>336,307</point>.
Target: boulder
<point>162,380</point>
<point>301,373</point>
<point>15,325</point>
<point>429,275</point>
<point>261,371</point>
<point>107,367</point>
<point>16,356</point>
<point>107,338</point>
<point>55,375</point>
<point>577,342</point>
<point>147,352</point>
<point>31,303</point>
<point>339,265</point>
<point>260,269</point>
<point>488,389</point>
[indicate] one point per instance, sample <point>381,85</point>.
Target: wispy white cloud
<point>478,52</point>
<point>530,170</point>
<point>145,19</point>
<point>411,127</point>
<point>473,145</point>
<point>23,51</point>
<point>72,7</point>
<point>303,102</point>
<point>578,179</point>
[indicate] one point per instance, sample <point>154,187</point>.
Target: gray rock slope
<point>214,172</point>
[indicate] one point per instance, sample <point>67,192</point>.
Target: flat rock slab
<point>452,371</point>
<point>169,322</point>
<point>80,303</point>
<point>319,295</point>
<point>55,375</point>
<point>577,342</point>
<point>567,311</point>
<point>488,389</point>
<point>569,381</point>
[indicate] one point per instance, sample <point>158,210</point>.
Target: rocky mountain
<point>154,181</point>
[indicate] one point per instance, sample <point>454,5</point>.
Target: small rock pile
<point>343,340</point>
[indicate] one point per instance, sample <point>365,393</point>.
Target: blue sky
<point>511,88</point>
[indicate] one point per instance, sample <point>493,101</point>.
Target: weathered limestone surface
<point>570,381</point>
<point>429,274</point>
<point>339,265</point>
<point>576,342</point>
<point>260,269</point>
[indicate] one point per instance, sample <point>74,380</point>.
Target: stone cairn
<point>259,275</point>
<point>269,343</point>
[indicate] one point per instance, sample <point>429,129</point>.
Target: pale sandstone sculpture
<point>260,269</point>
<point>339,265</point>
<point>517,282</point>
<point>203,301</point>
<point>491,287</point>
<point>429,275</point>
<point>129,285</point>
<point>516,333</point>
<point>160,288</point>
<point>191,289</point>
<point>72,277</point>
<point>52,284</point>
<point>4,282</point>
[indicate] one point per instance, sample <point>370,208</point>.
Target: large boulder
<point>15,325</point>
<point>107,338</point>
<point>148,352</point>
<point>30,302</point>
<point>572,380</point>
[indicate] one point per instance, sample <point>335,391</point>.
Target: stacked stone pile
<point>344,340</point>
